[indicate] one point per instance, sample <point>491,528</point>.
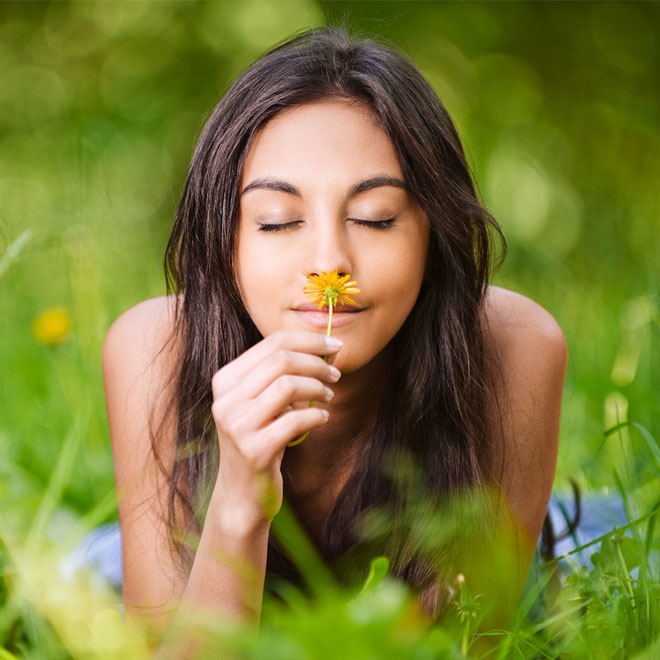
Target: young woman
<point>327,154</point>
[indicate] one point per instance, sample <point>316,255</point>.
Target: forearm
<point>227,577</point>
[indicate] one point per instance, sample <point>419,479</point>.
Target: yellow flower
<point>330,289</point>
<point>52,327</point>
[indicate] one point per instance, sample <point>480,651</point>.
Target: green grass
<point>610,611</point>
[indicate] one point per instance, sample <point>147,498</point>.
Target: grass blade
<point>58,480</point>
<point>13,250</point>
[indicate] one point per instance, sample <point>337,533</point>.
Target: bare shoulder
<point>531,353</point>
<point>517,324</point>
<point>139,333</point>
<point>138,357</point>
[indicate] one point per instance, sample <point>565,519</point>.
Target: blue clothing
<point>100,550</point>
<point>598,516</point>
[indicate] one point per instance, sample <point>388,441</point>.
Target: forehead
<point>334,141</point>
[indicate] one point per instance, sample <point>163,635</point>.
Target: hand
<point>254,413</point>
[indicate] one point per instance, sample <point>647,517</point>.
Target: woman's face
<point>314,177</point>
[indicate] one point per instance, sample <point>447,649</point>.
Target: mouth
<point>341,315</point>
<point>337,309</point>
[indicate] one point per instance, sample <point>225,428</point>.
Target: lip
<point>311,307</point>
<point>319,317</point>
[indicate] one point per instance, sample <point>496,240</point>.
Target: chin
<point>350,361</point>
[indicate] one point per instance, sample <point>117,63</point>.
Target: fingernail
<point>329,393</point>
<point>335,374</point>
<point>325,413</point>
<point>333,342</point>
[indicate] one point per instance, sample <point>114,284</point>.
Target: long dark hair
<point>435,410</point>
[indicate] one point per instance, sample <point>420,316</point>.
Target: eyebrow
<point>362,186</point>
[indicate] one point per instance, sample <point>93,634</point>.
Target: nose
<point>329,249</point>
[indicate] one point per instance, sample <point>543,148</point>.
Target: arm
<point>531,368</point>
<point>153,584</point>
<point>227,575</point>
<point>528,365</point>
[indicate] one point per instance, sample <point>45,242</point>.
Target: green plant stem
<point>465,637</point>
<point>626,582</point>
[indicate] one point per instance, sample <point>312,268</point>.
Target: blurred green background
<point>100,107</point>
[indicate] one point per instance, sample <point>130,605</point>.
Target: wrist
<point>237,514</point>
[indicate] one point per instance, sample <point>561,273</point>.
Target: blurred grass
<point>101,103</point>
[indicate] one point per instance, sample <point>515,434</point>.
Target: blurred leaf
<point>377,571</point>
<point>618,555</point>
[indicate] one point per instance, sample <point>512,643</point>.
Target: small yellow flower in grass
<point>52,327</point>
<point>328,289</point>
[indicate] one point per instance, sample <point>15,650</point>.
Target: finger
<point>286,410</point>
<point>292,425</point>
<point>286,391</point>
<point>301,342</point>
<point>283,363</point>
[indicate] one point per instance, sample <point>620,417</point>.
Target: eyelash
<point>375,224</point>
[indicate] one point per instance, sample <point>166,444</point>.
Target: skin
<point>260,400</point>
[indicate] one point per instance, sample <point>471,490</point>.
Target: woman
<point>327,154</point>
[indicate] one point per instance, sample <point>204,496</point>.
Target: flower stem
<point>311,403</point>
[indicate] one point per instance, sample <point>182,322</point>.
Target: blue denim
<point>598,516</point>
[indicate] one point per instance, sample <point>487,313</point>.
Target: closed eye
<point>375,224</point>
<point>284,226</point>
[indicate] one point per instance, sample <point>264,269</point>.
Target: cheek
<point>400,279</point>
<point>400,273</point>
<point>257,280</point>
